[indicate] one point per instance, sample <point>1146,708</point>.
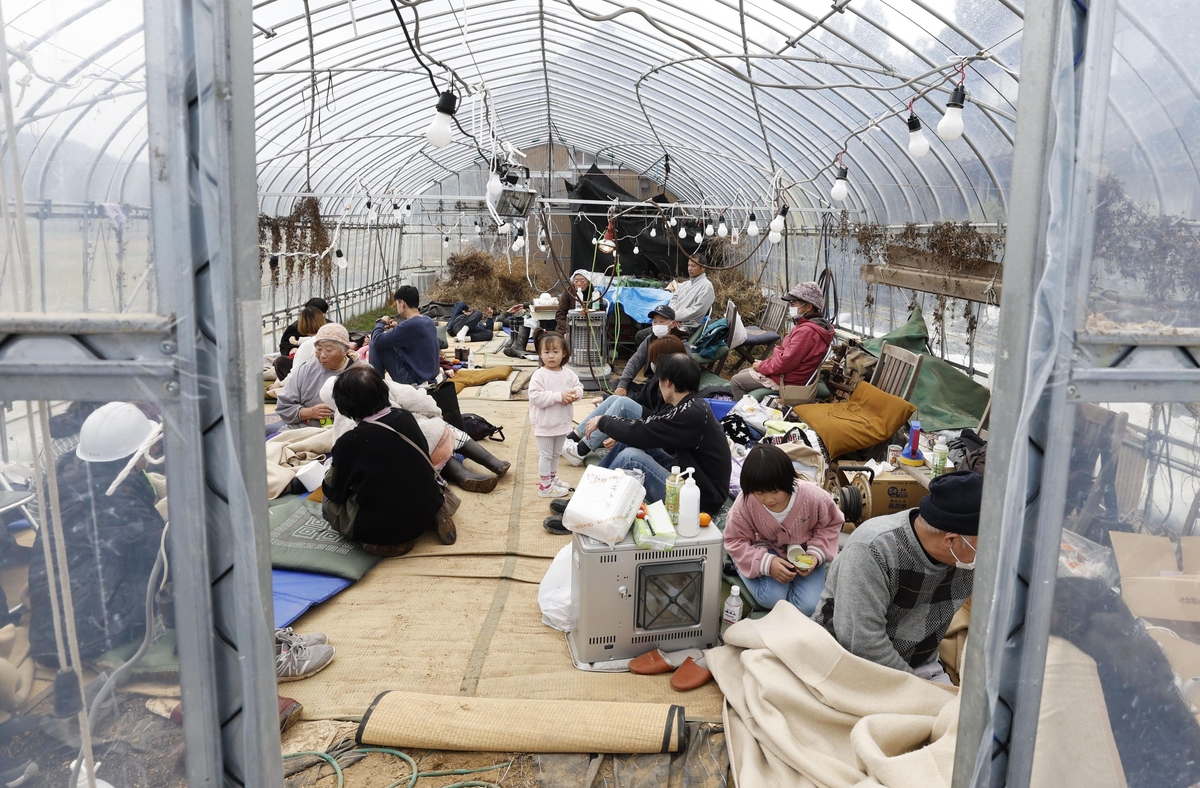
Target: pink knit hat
<point>809,293</point>
<point>333,332</point>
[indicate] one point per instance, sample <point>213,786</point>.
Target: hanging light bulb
<point>494,186</point>
<point>950,127</point>
<point>637,249</point>
<point>595,241</point>
<point>542,240</point>
<point>683,232</point>
<point>273,263</point>
<point>407,209</point>
<point>438,133</point>
<point>519,244</point>
<point>775,236</point>
<point>608,244</point>
<point>504,228</point>
<point>397,212</point>
<point>445,241</point>
<point>841,186</point>
<point>735,236</point>
<point>918,146</point>
<point>777,223</point>
<point>708,229</point>
<point>752,227</point>
<point>672,222</point>
<point>722,228</point>
<point>699,239</point>
<point>478,229</point>
<point>653,232</point>
<point>340,259</point>
<point>370,208</point>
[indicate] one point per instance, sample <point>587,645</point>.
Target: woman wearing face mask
<point>802,351</point>
<point>662,320</point>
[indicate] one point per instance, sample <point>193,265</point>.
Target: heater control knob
<point>624,592</point>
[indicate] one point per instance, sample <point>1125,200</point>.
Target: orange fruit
<point>705,519</point>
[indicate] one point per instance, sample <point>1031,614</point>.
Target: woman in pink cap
<point>802,351</point>
<point>299,404</point>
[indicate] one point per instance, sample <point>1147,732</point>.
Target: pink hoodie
<point>752,535</point>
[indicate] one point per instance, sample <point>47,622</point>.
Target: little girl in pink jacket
<point>774,512</point>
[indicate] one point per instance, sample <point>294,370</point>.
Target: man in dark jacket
<point>686,434</point>
<point>408,350</point>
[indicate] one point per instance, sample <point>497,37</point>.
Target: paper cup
<point>311,475</point>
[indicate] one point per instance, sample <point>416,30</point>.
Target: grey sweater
<point>637,362</point>
<point>302,389</point>
<point>692,300</point>
<point>885,599</point>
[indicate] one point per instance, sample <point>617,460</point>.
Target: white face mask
<point>959,563</point>
<point>651,366</point>
<point>794,312</point>
<point>660,330</point>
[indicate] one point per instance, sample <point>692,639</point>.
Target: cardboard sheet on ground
<point>464,620</point>
<point>946,398</point>
<point>296,592</point>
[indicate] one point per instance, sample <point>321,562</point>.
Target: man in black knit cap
<point>900,578</point>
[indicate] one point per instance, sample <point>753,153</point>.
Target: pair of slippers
<point>689,666</point>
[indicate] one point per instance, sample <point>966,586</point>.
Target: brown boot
<point>388,550</point>
<point>473,451</point>
<point>447,531</point>
<point>454,471</point>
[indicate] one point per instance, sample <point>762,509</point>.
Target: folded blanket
<point>802,711</point>
<point>290,449</point>
<point>477,377</point>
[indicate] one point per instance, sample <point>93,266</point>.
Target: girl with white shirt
<point>553,389</point>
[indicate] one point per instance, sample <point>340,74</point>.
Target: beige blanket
<point>802,711</point>
<point>290,449</point>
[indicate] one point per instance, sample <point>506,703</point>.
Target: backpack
<point>479,428</point>
<point>712,339</point>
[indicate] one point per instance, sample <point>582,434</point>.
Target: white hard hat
<point>113,432</point>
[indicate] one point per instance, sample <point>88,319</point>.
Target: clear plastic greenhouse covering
<point>725,104</point>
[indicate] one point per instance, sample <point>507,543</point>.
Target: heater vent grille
<point>659,555</point>
<point>608,558</point>
<point>602,640</point>
<point>687,633</point>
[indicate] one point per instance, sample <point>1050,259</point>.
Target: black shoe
<point>559,505</point>
<point>554,525</point>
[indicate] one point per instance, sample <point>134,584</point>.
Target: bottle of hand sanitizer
<point>689,506</point>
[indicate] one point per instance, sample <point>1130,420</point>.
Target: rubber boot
<point>516,344</point>
<point>473,451</point>
<point>453,471</point>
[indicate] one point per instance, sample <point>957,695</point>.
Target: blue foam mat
<point>296,592</point>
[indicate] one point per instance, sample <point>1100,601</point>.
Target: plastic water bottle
<point>471,360</point>
<point>674,483</point>
<point>689,506</point>
<point>937,464</point>
<point>733,610</point>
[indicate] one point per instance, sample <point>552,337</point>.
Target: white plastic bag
<point>554,592</point>
<point>604,505</point>
<point>755,413</point>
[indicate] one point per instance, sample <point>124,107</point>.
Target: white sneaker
<point>556,490</point>
<point>300,662</point>
<point>286,638</point>
<point>570,452</point>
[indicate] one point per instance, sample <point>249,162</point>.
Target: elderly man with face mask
<point>801,352</point>
<point>900,578</point>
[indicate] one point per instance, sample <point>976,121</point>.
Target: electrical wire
<point>337,769</point>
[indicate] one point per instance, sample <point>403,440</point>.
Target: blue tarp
<point>296,592</point>
<point>638,301</point>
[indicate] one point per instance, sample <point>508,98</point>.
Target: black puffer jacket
<point>111,543</point>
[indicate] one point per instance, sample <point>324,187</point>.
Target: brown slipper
<point>690,675</point>
<point>650,664</point>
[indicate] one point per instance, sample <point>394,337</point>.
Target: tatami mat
<point>464,620</point>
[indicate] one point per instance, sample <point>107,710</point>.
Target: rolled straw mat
<point>440,722</point>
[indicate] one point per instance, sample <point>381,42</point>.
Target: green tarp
<point>946,399</point>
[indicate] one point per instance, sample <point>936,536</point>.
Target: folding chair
<point>764,335</point>
<point>897,371</point>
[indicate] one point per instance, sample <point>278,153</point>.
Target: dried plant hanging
<point>1160,253</point>
<point>298,243</point>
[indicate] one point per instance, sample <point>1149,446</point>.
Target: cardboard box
<point>892,492</point>
<point>1153,583</point>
